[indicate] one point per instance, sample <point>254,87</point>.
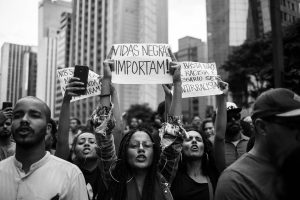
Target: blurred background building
<point>18,72</point>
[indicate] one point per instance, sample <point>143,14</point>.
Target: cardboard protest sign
<point>199,79</point>
<point>141,64</point>
<point>93,86</point>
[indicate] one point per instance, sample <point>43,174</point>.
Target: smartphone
<point>82,72</point>
<point>6,105</point>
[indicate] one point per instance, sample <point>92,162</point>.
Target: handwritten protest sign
<point>199,79</point>
<point>93,85</point>
<point>141,64</point>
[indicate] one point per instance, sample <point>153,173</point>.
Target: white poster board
<point>141,64</point>
<point>93,85</point>
<point>199,79</point>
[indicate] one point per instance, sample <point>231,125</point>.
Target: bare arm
<point>221,120</point>
<point>62,147</point>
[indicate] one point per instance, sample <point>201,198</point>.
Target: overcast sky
<point>19,21</point>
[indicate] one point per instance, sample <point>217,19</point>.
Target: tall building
<point>48,24</point>
<point>226,29</point>
<point>63,55</point>
<point>88,46</point>
<point>138,21</point>
<point>18,72</point>
<point>260,17</point>
<point>194,49</point>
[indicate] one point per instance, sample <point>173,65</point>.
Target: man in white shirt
<point>33,173</point>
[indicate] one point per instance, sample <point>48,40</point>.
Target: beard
<point>233,129</point>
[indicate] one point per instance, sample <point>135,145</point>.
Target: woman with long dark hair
<point>135,173</point>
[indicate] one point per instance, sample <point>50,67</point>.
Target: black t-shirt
<point>94,179</point>
<point>185,188</point>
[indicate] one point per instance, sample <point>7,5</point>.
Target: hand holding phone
<point>82,73</point>
<point>6,105</point>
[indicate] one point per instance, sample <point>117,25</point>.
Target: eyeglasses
<point>137,144</point>
<point>235,116</point>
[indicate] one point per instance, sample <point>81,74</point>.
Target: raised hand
<point>73,86</point>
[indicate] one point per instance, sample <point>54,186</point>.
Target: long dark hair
<point>122,171</point>
<point>208,165</point>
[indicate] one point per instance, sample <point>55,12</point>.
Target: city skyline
<point>21,25</point>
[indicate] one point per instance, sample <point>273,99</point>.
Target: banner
<point>93,85</point>
<point>199,79</point>
<point>141,64</point>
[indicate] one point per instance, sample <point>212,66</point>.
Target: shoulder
<point>6,162</point>
<point>65,166</point>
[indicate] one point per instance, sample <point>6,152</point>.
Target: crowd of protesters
<point>224,157</point>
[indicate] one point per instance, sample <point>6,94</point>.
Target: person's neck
<point>233,138</point>
<point>194,168</point>
<point>5,141</point>
<point>88,165</point>
<point>140,176</point>
<point>260,152</point>
<point>29,155</point>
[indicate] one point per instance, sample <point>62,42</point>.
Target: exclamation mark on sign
<point>167,61</point>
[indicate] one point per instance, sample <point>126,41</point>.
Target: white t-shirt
<point>49,178</point>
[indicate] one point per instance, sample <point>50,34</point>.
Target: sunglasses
<point>235,116</point>
<point>291,123</point>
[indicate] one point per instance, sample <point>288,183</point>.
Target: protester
<point>276,115</point>
<point>75,126</point>
<point>50,138</point>
<point>248,130</point>
<point>197,173</point>
<point>208,128</point>
<point>134,173</point>
<point>233,144</point>
<point>196,122</point>
<point>7,145</point>
<point>33,173</point>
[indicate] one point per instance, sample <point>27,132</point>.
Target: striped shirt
<point>50,178</point>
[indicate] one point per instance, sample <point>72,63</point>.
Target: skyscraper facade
<point>17,72</point>
<point>48,24</point>
<point>194,49</point>
<point>63,55</point>
<point>88,46</point>
<point>226,29</point>
<point>138,21</point>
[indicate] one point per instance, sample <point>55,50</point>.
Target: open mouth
<point>194,148</point>
<point>141,158</point>
<point>86,150</point>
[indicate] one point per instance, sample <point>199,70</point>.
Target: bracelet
<point>104,95</point>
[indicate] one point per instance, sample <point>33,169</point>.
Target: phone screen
<point>82,72</point>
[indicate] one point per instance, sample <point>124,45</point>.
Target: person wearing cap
<point>276,117</point>
<point>230,146</point>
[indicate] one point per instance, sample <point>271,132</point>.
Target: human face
<point>233,126</point>
<point>140,150</point>
<point>134,123</point>
<point>193,146</point>
<point>73,124</point>
<point>5,129</point>
<point>196,121</point>
<point>85,147</point>
<point>209,129</point>
<point>29,122</point>
<point>282,136</point>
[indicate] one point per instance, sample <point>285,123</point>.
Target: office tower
<point>226,29</point>
<point>138,21</point>
<point>260,18</point>
<point>194,49</point>
<point>48,24</point>
<point>18,72</point>
<point>63,55</point>
<point>88,46</point>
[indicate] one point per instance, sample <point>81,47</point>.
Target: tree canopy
<point>250,70</point>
